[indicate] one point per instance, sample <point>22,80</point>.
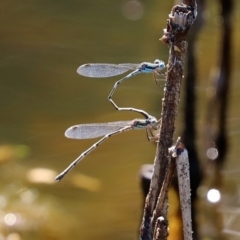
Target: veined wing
<point>130,66</point>
<point>94,130</point>
<point>101,70</point>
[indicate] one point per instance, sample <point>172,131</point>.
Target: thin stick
<point>180,20</point>
<point>185,193</point>
<point>164,190</point>
<point>160,229</point>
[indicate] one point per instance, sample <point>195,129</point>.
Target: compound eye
<point>162,65</point>
<point>153,122</point>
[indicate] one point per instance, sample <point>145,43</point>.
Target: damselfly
<point>102,70</point>
<point>94,130</point>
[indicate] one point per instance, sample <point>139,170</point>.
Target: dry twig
<point>180,20</point>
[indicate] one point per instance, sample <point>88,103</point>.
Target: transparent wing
<point>94,130</point>
<point>130,66</point>
<point>101,70</point>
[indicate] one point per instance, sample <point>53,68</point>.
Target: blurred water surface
<point>42,44</point>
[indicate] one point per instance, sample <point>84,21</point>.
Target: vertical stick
<point>185,194</point>
<point>180,20</point>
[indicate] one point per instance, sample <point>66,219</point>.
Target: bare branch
<point>180,20</point>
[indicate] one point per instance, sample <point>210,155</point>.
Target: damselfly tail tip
<point>59,177</point>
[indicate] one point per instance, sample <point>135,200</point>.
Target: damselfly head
<point>160,63</point>
<point>152,120</point>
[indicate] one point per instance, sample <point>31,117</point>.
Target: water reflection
<point>28,212</point>
<point>133,10</point>
<point>85,182</point>
<point>41,175</point>
<point>10,219</point>
<point>213,195</point>
<point>13,236</point>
